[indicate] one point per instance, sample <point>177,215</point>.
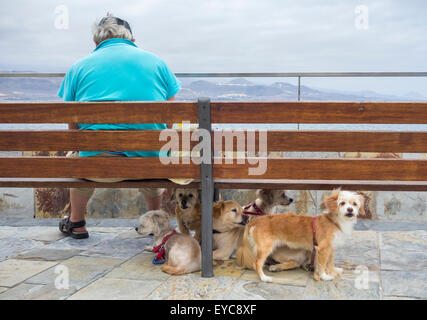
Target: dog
<point>266,200</point>
<point>188,212</point>
<point>228,241</point>
<point>182,253</point>
<point>300,236</point>
<point>228,225</point>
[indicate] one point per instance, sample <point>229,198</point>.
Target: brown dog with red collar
<point>303,235</point>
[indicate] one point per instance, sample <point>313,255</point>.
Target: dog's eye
<point>354,204</point>
<point>180,194</point>
<point>234,210</point>
<point>342,203</point>
<point>190,195</point>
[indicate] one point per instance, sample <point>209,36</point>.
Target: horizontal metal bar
<point>248,75</point>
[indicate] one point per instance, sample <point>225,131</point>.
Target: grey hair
<point>111,27</point>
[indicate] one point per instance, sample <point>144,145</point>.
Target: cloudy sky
<point>232,36</point>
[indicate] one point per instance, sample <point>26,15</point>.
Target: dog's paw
<point>265,278</point>
<point>326,277</point>
<point>339,271</point>
<point>274,268</point>
<point>148,248</point>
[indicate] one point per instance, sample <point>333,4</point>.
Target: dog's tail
<point>174,270</point>
<point>245,255</point>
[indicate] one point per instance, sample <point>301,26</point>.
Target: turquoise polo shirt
<point>117,70</point>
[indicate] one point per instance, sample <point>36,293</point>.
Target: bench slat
<point>328,169</point>
<point>222,112</point>
<point>320,112</point>
<point>98,112</point>
<point>321,185</point>
<point>96,167</point>
<point>334,141</point>
<point>277,140</point>
<point>80,183</point>
<point>151,168</point>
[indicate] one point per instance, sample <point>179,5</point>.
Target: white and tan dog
<point>182,252</point>
<point>299,235</point>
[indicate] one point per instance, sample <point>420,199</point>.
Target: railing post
<point>207,185</point>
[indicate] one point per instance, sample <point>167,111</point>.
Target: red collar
<point>258,211</point>
<point>313,253</point>
<point>160,249</point>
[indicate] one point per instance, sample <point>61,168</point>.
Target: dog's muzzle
<point>245,220</point>
<point>184,204</point>
<point>349,213</point>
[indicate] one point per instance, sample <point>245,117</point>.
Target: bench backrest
<point>220,112</point>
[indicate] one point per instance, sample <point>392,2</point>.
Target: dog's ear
<point>199,196</point>
<point>218,207</point>
<point>331,201</point>
<point>160,222</point>
<point>265,194</point>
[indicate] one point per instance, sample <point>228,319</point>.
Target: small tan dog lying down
<point>182,253</point>
<point>296,237</point>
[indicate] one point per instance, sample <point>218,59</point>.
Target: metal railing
<point>297,75</point>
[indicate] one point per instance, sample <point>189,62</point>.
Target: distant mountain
<point>45,89</point>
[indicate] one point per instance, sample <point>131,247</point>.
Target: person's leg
<point>153,197</point>
<point>79,197</point>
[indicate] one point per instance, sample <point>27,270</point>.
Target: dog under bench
<point>221,171</point>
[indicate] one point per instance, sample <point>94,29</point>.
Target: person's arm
<point>169,125</point>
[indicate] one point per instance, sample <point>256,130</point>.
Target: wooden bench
<point>281,173</point>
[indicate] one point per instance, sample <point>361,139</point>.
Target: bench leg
<point>207,185</point>
<point>207,239</point>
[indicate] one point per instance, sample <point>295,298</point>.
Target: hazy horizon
<point>234,36</point>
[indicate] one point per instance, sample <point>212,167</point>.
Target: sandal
<point>66,227</point>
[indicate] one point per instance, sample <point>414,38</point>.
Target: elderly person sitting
<point>116,70</point>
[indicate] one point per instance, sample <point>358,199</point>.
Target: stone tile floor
<point>382,260</point>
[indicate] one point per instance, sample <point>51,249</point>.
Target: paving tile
<point>46,234</point>
<point>116,289</point>
<point>81,271</point>
<point>295,277</point>
<point>227,268</point>
<point>48,254</point>
<point>129,223</point>
<point>14,271</point>
<point>25,291</point>
<point>340,289</point>
<point>94,239</point>
<point>378,225</point>
<point>360,249</point>
<point>272,291</point>
<point>404,284</point>
<point>11,246</point>
<point>193,287</point>
<point>118,248</point>
<point>140,267</point>
<point>117,230</point>
<point>404,251</point>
